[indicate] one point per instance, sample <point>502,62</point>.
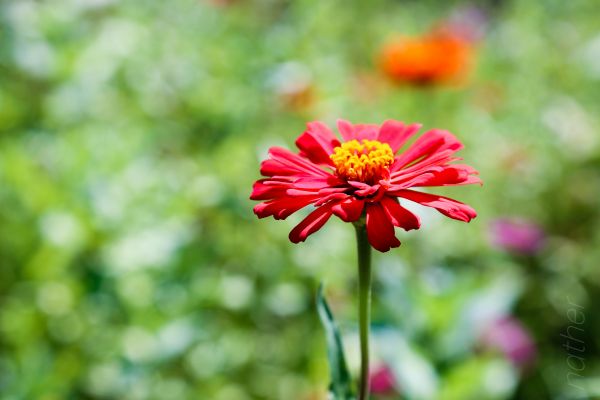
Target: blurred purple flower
<point>382,380</point>
<point>509,336</point>
<point>517,235</point>
<point>469,22</point>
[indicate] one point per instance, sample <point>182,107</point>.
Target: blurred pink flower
<point>517,235</point>
<point>510,337</point>
<point>382,380</point>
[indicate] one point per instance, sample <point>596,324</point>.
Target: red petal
<point>317,143</point>
<point>416,180</point>
<point>452,175</point>
<point>395,133</point>
<point>309,225</point>
<point>283,207</point>
<point>449,207</point>
<point>265,189</point>
<point>426,174</point>
<point>434,161</point>
<point>368,191</point>
<point>349,210</point>
<point>277,187</point>
<point>330,198</point>
<point>284,162</point>
<point>431,143</point>
<point>317,183</point>
<point>380,230</point>
<point>399,215</point>
<point>366,131</point>
<point>346,129</point>
<point>358,131</point>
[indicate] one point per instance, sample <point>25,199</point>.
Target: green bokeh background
<point>132,267</point>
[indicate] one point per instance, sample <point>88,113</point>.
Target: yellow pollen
<point>365,161</point>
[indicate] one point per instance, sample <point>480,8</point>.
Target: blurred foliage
<point>132,267</point>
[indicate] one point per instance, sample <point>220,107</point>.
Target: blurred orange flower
<point>437,57</point>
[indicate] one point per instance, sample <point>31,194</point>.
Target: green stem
<point>364,305</point>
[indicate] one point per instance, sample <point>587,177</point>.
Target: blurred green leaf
<point>341,383</point>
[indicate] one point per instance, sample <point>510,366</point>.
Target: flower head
<point>365,161</point>
<point>362,175</point>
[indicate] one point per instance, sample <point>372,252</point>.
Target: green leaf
<point>341,383</point>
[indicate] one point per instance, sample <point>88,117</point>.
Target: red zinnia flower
<point>362,175</point>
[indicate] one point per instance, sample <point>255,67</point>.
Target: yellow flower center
<point>366,161</point>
